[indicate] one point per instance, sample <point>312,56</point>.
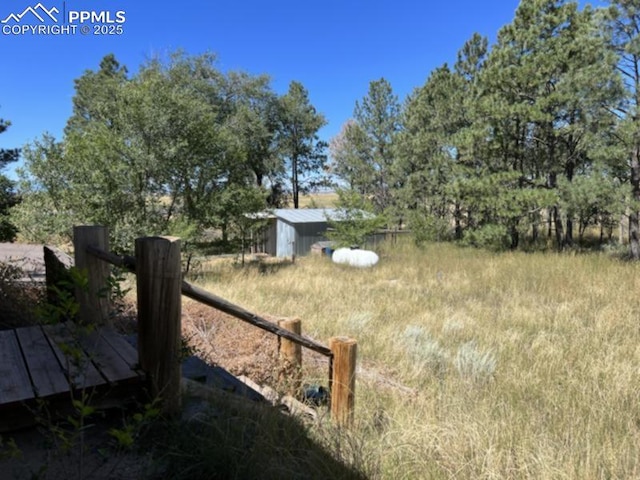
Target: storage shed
<point>293,231</point>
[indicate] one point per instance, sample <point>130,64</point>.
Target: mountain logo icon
<point>39,11</point>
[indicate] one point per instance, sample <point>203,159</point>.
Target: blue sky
<point>335,48</point>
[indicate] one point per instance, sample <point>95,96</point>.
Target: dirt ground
<point>237,346</point>
<point>219,339</point>
<point>29,258</point>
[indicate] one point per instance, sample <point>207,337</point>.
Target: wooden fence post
<point>159,282</point>
<point>93,301</point>
<point>291,355</point>
<point>57,276</point>
<point>343,382</point>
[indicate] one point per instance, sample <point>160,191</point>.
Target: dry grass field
<point>473,365</point>
<point>318,200</point>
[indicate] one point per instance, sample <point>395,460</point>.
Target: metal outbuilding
<point>293,231</point>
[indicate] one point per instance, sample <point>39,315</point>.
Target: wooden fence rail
<point>199,294</point>
<point>158,280</point>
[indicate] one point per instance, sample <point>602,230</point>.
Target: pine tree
<point>297,140</point>
<point>624,28</point>
<point>363,152</point>
<point>546,82</point>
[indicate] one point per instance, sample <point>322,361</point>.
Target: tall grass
<point>524,365</point>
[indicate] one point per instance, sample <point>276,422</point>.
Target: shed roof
<point>307,215</point>
<point>304,215</point>
<point>315,215</point>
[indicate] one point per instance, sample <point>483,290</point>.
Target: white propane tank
<point>355,257</point>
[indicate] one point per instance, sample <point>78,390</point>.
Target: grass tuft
<point>475,365</point>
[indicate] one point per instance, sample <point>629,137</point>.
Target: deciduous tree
<point>8,196</point>
<point>155,151</point>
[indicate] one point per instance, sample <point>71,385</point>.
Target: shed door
<point>271,240</point>
<point>286,238</point>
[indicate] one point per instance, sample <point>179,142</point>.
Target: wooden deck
<point>53,361</point>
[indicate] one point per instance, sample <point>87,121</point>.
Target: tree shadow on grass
<point>266,265</point>
<point>245,440</point>
<point>226,439</point>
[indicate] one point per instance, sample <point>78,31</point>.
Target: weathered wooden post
<point>159,281</point>
<point>94,300</point>
<point>343,382</point>
<point>291,355</point>
<point>57,276</point>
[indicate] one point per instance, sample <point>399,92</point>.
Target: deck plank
<point>82,374</point>
<point>46,372</point>
<point>15,384</point>
<point>120,344</point>
<point>110,363</point>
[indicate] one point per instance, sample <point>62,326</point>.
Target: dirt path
<point>29,258</point>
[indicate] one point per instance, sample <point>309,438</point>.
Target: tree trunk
<point>515,237</point>
<point>568,235</point>
<point>555,217</point>
<point>294,182</point>
<point>557,220</point>
<point>458,225</point>
<point>634,216</point>
<point>601,239</point>
<point>225,233</point>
